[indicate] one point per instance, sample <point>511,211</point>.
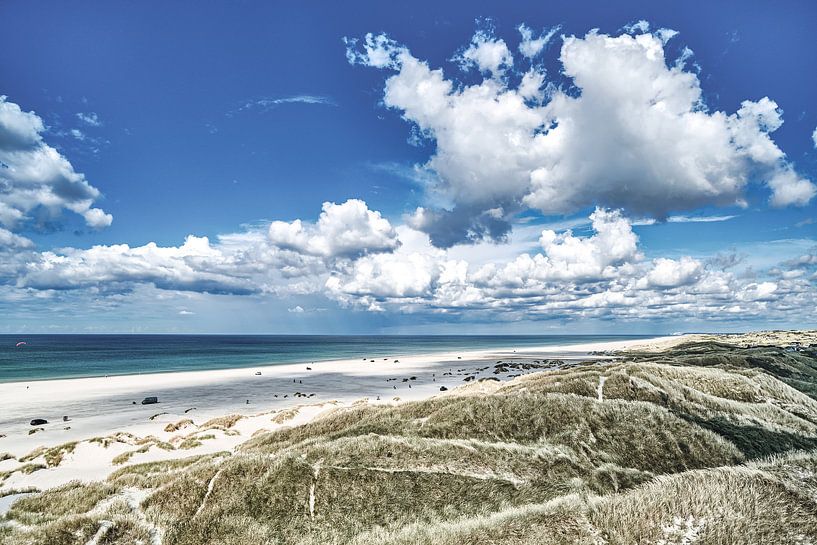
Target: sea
<point>44,357</point>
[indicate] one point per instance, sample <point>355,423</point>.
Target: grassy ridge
<point>705,443</point>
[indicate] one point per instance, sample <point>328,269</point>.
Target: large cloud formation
<point>36,177</point>
<point>627,130</point>
<point>242,263</point>
<point>603,275</point>
<point>564,275</point>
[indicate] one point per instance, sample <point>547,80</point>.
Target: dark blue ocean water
<point>64,356</point>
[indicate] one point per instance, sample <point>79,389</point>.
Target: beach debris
<point>35,430</point>
<point>443,389</point>
<point>257,373</point>
<point>21,343</point>
<point>459,357</point>
<point>150,400</point>
<point>65,419</point>
<point>38,422</point>
<point>396,361</point>
<point>308,368</point>
<point>67,428</point>
<point>190,409</point>
<point>155,416</point>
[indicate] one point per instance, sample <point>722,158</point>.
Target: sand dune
<point>710,440</point>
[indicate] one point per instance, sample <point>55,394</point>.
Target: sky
<point>423,167</point>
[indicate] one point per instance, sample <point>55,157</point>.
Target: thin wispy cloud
<point>685,219</point>
<point>410,172</point>
<point>269,103</point>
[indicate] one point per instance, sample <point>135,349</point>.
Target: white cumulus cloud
<point>196,265</point>
<point>671,273</point>
<point>636,134</point>
<point>342,230</point>
<point>35,178</point>
<point>487,53</point>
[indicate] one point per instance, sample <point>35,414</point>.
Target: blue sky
<point>216,119</point>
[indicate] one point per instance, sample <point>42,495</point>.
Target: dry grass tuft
<point>225,422</point>
<point>178,425</point>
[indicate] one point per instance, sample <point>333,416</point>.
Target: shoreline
<point>165,377</point>
<point>380,354</point>
<point>282,395</point>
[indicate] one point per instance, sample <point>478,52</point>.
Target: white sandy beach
<point>102,406</point>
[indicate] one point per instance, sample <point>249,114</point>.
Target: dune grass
<point>176,426</point>
<point>73,498</point>
<point>705,444</point>
<point>53,456</point>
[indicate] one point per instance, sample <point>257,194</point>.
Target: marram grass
<point>702,444</point>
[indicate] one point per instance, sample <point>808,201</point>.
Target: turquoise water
<point>65,356</point>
